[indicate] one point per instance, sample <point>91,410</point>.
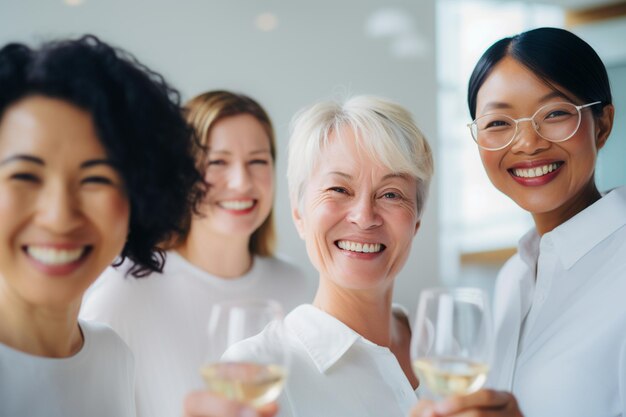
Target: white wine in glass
<point>254,380</point>
<point>452,340</point>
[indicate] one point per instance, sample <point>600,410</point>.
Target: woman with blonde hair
<point>226,251</point>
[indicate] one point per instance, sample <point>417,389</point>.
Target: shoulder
<point>264,347</point>
<point>284,273</point>
<point>112,293</point>
<point>279,266</point>
<point>118,293</point>
<point>512,269</point>
<point>101,338</point>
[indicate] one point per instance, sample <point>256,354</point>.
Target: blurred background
<point>288,54</point>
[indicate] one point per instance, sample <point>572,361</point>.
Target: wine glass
<point>238,365</point>
<point>452,341</point>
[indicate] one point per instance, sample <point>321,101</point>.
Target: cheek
<point>320,214</point>
<point>491,161</point>
<point>264,180</point>
<point>14,206</point>
<point>111,212</point>
<point>403,224</point>
<point>212,176</point>
<point>488,159</point>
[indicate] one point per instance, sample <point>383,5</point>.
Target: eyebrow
<point>397,175</point>
<point>504,105</point>
<point>225,152</point>
<point>35,160</point>
<point>386,177</point>
<point>340,174</point>
<point>95,162</point>
<point>22,157</point>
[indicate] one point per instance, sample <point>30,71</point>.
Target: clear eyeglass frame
<point>473,126</point>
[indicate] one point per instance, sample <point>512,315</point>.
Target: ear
<point>417,226</point>
<point>604,124</point>
<point>297,219</point>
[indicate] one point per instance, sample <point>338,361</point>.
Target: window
<point>475,216</point>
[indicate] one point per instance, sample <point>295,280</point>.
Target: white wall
<point>318,50</point>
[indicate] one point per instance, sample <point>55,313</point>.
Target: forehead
<point>50,128</point>
<point>242,131</point>
<point>342,153</point>
<point>511,84</point>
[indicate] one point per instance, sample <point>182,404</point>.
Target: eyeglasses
<point>555,122</point>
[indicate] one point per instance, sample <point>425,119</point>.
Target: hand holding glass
<point>452,340</point>
<point>256,381</point>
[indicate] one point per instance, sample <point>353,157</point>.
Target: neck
<point>366,312</point>
<point>370,314</point>
<point>42,331</point>
<point>222,256</point>
<point>546,222</point>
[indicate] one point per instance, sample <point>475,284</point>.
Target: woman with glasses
<point>542,107</point>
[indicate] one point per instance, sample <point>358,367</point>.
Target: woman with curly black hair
<point>95,162</point>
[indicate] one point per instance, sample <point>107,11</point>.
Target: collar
<point>579,235</point>
<point>324,338</point>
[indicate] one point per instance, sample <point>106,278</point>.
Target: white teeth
<point>359,247</point>
<point>236,204</point>
<point>535,172</point>
<point>52,256</point>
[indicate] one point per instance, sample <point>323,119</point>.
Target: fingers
<point>424,408</point>
<point>268,410</point>
<point>481,403</point>
<point>205,404</point>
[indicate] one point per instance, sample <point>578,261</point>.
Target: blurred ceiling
<point>579,4</point>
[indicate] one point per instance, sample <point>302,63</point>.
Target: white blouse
<point>334,372</point>
<point>561,316</point>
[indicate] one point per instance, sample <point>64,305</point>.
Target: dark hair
<point>560,58</point>
<point>203,112</point>
<point>138,119</point>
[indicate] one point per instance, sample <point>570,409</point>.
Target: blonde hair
<point>202,112</point>
<point>383,129</point>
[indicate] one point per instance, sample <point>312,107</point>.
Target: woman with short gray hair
<point>358,176</point>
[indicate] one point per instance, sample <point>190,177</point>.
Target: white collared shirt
<point>334,372</point>
<point>560,307</point>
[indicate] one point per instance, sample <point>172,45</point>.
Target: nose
<point>527,139</point>
<point>59,209</point>
<point>364,213</point>
<point>239,177</point>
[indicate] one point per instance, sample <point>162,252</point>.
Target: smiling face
<point>63,207</point>
<point>240,174</point>
<point>357,217</point>
<point>542,177</point>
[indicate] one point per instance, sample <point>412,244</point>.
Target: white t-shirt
<point>334,371</point>
<point>561,332</point>
<point>98,381</point>
<point>163,318</point>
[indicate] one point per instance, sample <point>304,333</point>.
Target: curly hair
<point>203,112</point>
<point>139,121</point>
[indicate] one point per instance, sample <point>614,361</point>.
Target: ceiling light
<point>266,22</point>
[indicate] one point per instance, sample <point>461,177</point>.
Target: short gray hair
<point>384,130</point>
